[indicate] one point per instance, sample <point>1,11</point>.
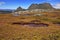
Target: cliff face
<point>41,6</point>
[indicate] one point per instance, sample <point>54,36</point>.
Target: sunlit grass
<point>19,32</point>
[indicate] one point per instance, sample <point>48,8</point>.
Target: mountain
<point>41,6</point>
<point>20,9</point>
<point>36,6</point>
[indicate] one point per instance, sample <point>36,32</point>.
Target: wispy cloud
<point>57,6</point>
<point>1,3</point>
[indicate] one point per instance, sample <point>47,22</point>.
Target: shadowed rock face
<point>41,6</point>
<point>19,9</point>
<point>33,6</point>
<point>32,24</point>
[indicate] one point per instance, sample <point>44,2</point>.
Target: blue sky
<point>13,4</point>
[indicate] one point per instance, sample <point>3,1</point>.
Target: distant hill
<point>41,6</point>
<point>5,11</point>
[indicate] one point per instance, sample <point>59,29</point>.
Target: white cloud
<point>1,3</point>
<point>57,6</point>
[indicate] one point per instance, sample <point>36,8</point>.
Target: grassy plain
<point>8,31</point>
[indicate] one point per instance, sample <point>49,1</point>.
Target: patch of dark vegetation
<point>31,24</point>
<point>22,18</point>
<point>58,23</point>
<point>58,18</point>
